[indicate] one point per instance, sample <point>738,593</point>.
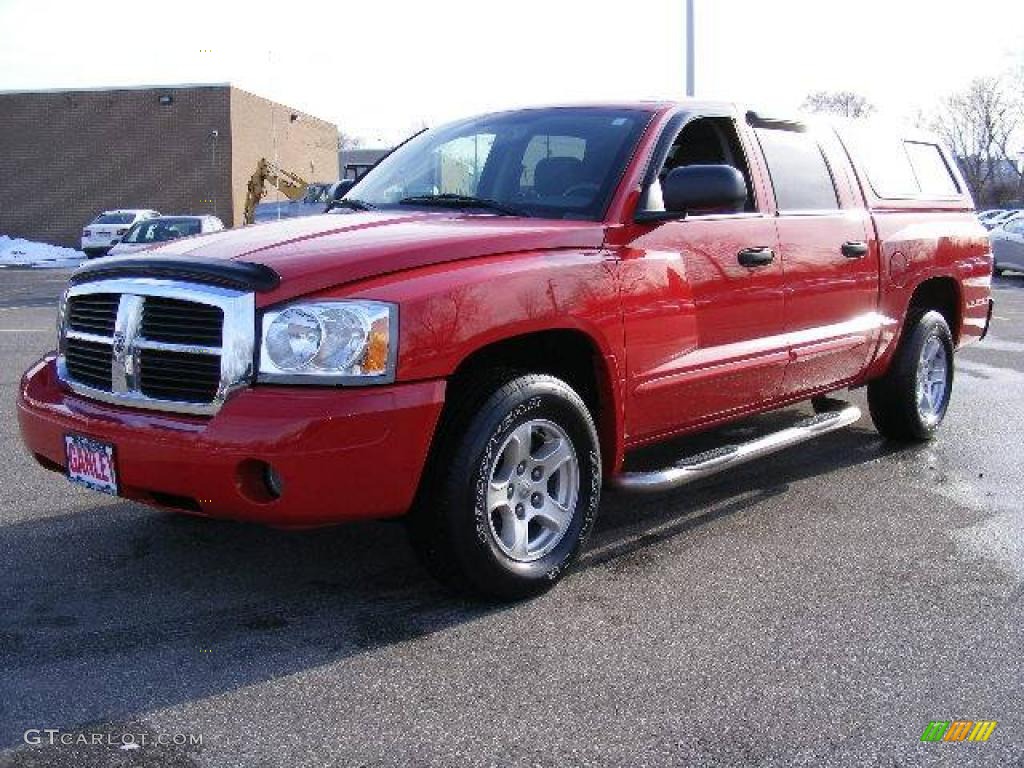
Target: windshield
<point>161,230</point>
<point>550,163</point>
<point>114,218</point>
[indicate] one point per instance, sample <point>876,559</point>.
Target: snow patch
<point>16,252</point>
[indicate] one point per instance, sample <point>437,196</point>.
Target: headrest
<point>554,175</point>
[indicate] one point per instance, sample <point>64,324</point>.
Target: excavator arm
<point>291,185</point>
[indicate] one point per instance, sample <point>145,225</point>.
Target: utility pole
<point>689,49</point>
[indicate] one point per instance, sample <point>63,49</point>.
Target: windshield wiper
<point>350,202</point>
<point>449,200</point>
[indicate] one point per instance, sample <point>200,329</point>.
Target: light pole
<point>689,49</point>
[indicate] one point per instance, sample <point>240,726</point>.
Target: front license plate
<point>91,463</point>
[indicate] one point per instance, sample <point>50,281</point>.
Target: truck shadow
<point>117,610</point>
<point>629,523</point>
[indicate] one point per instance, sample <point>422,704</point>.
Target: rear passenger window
<point>933,176</point>
<point>799,173</point>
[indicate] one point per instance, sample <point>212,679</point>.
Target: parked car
<point>1000,217</point>
<point>503,311</point>
<point>1008,245</point>
<point>150,232</point>
<point>103,232</point>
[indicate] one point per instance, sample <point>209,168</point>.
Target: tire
<point>508,539</point>
<point>998,271</point>
<point>900,409</point>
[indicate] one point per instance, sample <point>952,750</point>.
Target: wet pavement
<point>817,608</point>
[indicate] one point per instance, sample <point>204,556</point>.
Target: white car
<point>100,234</point>
<point>152,232</point>
<point>1008,245</point>
<point>1000,218</point>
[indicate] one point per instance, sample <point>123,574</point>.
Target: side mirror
<point>696,187</point>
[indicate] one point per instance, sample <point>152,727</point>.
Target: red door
<point>702,297</point>
<point>704,333</point>
<point>829,260</point>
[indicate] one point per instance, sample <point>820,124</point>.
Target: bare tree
<point>845,103</point>
<point>979,124</point>
<point>348,141</point>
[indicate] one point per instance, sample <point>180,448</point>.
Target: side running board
<point>718,460</point>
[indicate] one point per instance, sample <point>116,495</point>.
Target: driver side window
<point>704,141</point>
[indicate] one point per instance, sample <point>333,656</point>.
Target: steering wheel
<point>586,186</point>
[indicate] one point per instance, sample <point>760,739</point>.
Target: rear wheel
<point>513,489</point>
<point>910,401</point>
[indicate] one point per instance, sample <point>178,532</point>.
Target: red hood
<point>318,252</point>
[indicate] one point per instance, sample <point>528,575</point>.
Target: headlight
<point>330,342</point>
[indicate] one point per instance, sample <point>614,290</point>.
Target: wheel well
<point>943,295</point>
<point>566,354</point>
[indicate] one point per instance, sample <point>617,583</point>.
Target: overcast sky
<point>381,68</point>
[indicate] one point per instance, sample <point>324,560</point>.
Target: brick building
<point>67,155</point>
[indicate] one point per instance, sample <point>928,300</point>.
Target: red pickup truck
<point>503,309</point>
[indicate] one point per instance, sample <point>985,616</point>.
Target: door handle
<point>855,249</point>
<point>756,257</point>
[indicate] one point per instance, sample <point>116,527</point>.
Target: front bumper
<point>341,454</point>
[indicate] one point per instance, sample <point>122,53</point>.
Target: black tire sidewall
<point>522,400</point>
<point>929,325</point>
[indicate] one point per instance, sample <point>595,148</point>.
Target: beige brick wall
<point>305,145</point>
<point>66,156</point>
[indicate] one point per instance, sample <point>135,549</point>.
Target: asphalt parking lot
<point>818,608</point>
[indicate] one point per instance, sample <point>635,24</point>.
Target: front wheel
<point>514,487</point>
<point>910,401</point>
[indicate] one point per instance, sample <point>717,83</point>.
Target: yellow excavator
<point>291,185</point>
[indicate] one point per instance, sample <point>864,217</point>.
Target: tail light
<point>122,231</point>
<point>86,233</point>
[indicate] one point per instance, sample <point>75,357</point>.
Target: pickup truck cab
<point>502,310</point>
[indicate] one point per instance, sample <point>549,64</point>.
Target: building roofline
<point>166,87</point>
<point>104,89</point>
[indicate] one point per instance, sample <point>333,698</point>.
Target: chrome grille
<point>156,344</point>
<point>93,313</point>
<point>177,376</point>
<point>181,322</point>
<point>89,363</point>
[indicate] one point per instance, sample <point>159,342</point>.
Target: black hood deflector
<point>243,275</point>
